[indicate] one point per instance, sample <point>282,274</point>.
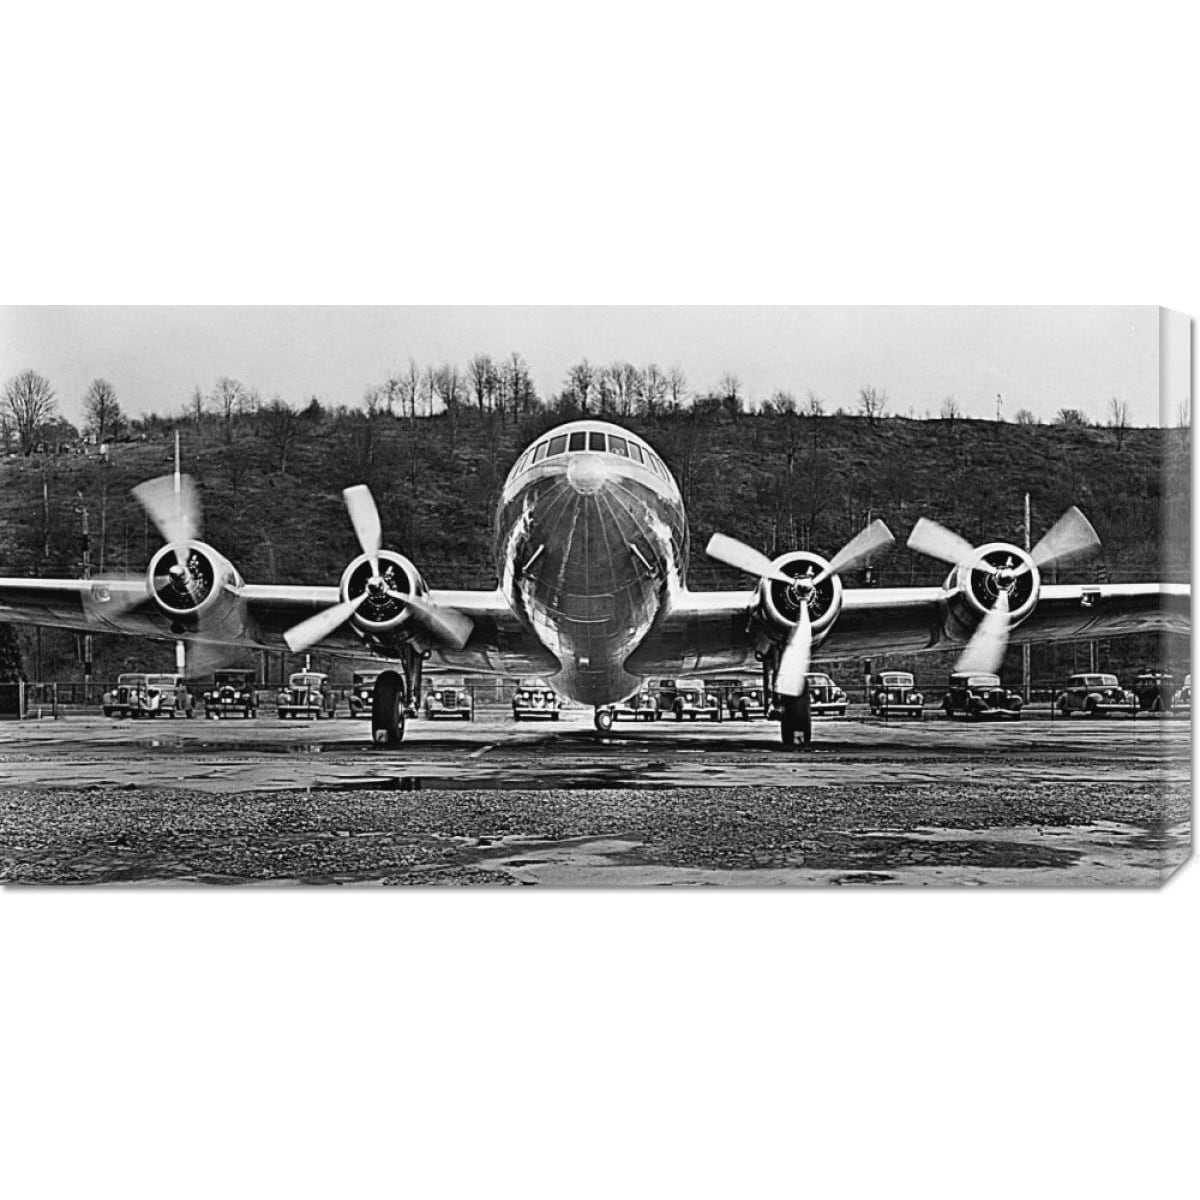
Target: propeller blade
<point>744,558</point>
<point>985,651</point>
<point>793,662</point>
<point>446,624</point>
<point>928,537</point>
<point>364,516</point>
<point>321,625</point>
<point>862,545</point>
<point>176,515</point>
<point>1070,536</point>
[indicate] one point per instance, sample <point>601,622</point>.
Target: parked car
<point>535,700</point>
<point>748,702</point>
<point>825,697</point>
<point>231,692</point>
<point>641,706</point>
<point>1154,690</point>
<point>307,694</point>
<point>362,692</point>
<point>894,694</point>
<point>449,702</point>
<point>138,694</point>
<point>980,697</point>
<point>1182,700</point>
<point>1095,695</point>
<point>693,699</point>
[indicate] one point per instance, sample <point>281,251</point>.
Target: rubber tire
<point>678,714</point>
<point>795,718</point>
<point>388,704</point>
<point>603,720</point>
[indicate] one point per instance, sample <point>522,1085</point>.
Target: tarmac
<point>85,799</point>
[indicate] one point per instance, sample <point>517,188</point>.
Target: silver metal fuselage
<point>591,546</point>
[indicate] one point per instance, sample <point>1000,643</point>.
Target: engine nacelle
<point>779,603</point>
<point>204,587</point>
<point>971,592</point>
<point>380,615</point>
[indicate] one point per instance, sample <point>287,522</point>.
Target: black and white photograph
<point>595,596</point>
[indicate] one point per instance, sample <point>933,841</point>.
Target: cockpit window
<point>616,445</point>
<point>578,441</point>
<point>595,441</point>
<point>540,452</point>
<point>635,452</point>
<point>557,445</point>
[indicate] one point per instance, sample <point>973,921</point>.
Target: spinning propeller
<point>1070,536</point>
<point>797,651</point>
<point>446,624</point>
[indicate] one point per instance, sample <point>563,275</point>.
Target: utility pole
<point>999,402</point>
<point>1025,648</point>
<point>87,574</point>
<point>180,646</point>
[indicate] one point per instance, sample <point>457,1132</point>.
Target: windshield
<point>307,680</point>
<point>129,680</point>
<point>896,679</point>
<point>983,681</point>
<point>160,681</point>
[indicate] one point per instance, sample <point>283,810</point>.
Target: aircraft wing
<point>706,632</point>
<point>498,642</point>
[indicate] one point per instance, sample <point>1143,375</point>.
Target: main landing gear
<point>391,702</point>
<point>795,712</point>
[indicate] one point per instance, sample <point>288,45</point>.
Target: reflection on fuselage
<point>591,544</point>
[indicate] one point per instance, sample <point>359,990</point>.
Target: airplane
<point>591,548</point>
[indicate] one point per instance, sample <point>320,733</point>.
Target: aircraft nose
<point>586,473</point>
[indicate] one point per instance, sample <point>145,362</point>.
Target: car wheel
<point>603,720</point>
<point>107,712</point>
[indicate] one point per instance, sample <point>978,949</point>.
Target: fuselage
<point>591,545</point>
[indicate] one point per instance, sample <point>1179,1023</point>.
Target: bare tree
<point>676,387</point>
<point>515,388</point>
<point>28,404</point>
<point>1025,417</point>
<point>814,406</point>
<point>871,403</point>
<point>581,385</point>
<point>481,372</point>
<point>729,392</point>
<point>1118,420</point>
<point>194,411</point>
<point>780,402</point>
<point>229,397</point>
<point>1072,418</point>
<point>951,410</point>
<point>410,388</point>
<point>281,426</point>
<point>391,391</point>
<point>653,390</point>
<point>102,413</point>
<point>1183,415</point>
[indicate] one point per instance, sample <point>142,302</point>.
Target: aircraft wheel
<point>388,710</point>
<point>603,720</point>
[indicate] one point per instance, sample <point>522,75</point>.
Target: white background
<point>162,1043</point>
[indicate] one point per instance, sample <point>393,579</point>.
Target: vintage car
<point>140,695</point>
<point>1154,690</point>
<point>231,692</point>
<point>307,694</point>
<point>362,691</point>
<point>641,706</point>
<point>825,697</point>
<point>1182,700</point>
<point>894,694</point>
<point>980,697</point>
<point>535,700</point>
<point>693,699</point>
<point>1095,695</point>
<point>748,702</point>
<point>449,702</point>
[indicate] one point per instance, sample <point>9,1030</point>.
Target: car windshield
<point>1098,680</point>
<point>306,680</point>
<point>160,681</point>
<point>129,680</point>
<point>819,681</point>
<point>983,681</point>
<point>897,679</point>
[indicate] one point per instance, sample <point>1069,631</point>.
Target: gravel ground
<point>1093,833</point>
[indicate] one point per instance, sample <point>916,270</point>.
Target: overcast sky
<point>1042,359</point>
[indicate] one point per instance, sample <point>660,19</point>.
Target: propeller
<point>173,504</point>
<point>797,650</point>
<point>446,624</point>
<point>1071,536</point>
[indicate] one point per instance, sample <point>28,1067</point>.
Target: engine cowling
<point>974,586</point>
<point>191,582</point>
<point>779,603</point>
<point>381,615</point>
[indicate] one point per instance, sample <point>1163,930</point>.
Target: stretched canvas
<point>595,596</point>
